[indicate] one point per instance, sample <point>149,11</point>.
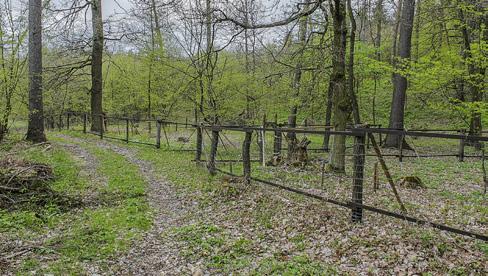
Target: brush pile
<point>21,180</point>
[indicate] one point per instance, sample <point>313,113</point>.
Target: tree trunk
<point>2,132</point>
<point>398,19</point>
<point>328,115</point>
<point>341,101</point>
<point>350,80</point>
<point>292,118</point>
<point>475,73</point>
<point>96,65</point>
<point>399,80</point>
<point>35,130</point>
<point>377,44</point>
<point>157,26</point>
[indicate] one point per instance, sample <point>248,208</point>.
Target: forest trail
<point>150,255</point>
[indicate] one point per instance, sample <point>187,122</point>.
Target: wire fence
<point>432,178</point>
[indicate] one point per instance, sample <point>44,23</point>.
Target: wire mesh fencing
<point>429,178</point>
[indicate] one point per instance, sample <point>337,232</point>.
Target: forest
<point>254,137</point>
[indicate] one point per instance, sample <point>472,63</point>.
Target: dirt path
<point>152,254</point>
<point>24,249</point>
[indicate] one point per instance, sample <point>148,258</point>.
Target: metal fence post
<point>199,144</point>
<point>357,186</point>
<point>462,143</point>
<point>158,133</point>
<point>84,122</point>
<point>246,157</point>
<point>127,130</point>
<point>67,120</point>
<point>101,126</point>
<point>277,141</point>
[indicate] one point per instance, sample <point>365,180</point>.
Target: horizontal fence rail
<point>213,137</point>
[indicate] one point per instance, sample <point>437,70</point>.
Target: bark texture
<point>297,83</point>
<point>350,66</point>
<point>96,65</point>
<point>399,80</point>
<point>341,100</point>
<point>35,129</point>
<point>472,86</point>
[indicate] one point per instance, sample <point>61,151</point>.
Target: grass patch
<point>90,233</point>
<point>220,251</point>
<point>298,265</point>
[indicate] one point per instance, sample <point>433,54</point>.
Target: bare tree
<point>35,130</point>
<point>12,63</point>
<point>297,85</point>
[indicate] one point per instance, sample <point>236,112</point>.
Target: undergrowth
<point>111,215</point>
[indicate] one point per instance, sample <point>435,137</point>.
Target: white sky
<point>110,7</point>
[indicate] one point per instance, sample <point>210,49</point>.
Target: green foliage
<point>92,233</point>
<point>298,265</point>
<point>218,248</point>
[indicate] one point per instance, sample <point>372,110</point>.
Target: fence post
<point>84,122</point>
<point>357,186</point>
<point>277,141</point>
<point>127,130</point>
<point>380,137</point>
<point>462,143</point>
<point>246,157</point>
<point>67,120</point>
<point>186,122</point>
<point>60,121</point>
<point>376,184</point>
<point>101,126</point>
<point>213,152</point>
<point>198,152</point>
<point>158,133</point>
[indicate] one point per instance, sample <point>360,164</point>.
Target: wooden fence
<point>363,136</point>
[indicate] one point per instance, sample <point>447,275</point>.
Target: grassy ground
<point>108,215</point>
<point>268,231</point>
<point>257,230</point>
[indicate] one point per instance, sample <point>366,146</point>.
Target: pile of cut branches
<point>21,180</point>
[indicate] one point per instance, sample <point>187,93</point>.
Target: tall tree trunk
<point>400,81</point>
<point>341,100</point>
<point>209,66</point>
<point>297,82</point>
<point>96,65</point>
<point>350,66</point>
<point>157,26</point>
<point>398,19</point>
<point>377,44</point>
<point>35,130</point>
<point>246,50</point>
<point>417,32</point>
<point>328,115</point>
<point>150,73</point>
<point>475,73</point>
